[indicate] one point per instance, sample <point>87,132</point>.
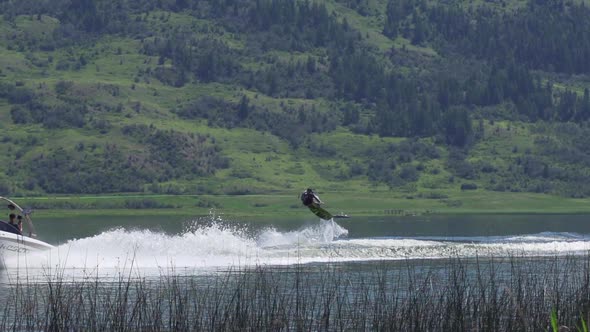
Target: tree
<point>393,18</point>
<point>350,114</point>
<point>458,128</point>
<point>584,108</point>
<point>420,29</point>
<point>244,108</point>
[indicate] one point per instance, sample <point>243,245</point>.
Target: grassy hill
<point>231,97</point>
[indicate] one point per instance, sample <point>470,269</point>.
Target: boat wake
<point>221,245</point>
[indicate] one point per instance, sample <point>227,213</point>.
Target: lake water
<point>201,244</point>
<point>435,273</point>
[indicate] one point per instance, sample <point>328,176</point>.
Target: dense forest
<point>144,94</point>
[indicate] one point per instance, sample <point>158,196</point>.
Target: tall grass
<point>511,294</point>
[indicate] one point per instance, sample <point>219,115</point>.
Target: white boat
<point>14,240</point>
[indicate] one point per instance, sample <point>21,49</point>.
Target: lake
<point>209,242</point>
<point>403,272</point>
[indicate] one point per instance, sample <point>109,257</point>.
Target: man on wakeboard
<point>309,198</point>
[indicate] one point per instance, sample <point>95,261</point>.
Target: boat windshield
<point>6,227</point>
<point>19,214</point>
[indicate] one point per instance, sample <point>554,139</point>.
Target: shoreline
<point>377,204</point>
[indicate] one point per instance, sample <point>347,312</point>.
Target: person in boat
<point>11,219</point>
<point>309,198</point>
<point>19,224</point>
<point>12,222</point>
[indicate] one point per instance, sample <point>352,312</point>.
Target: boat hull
<point>11,244</point>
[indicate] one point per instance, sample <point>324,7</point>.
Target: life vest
<point>307,198</point>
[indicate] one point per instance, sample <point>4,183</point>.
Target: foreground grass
<point>512,294</point>
<point>288,205</point>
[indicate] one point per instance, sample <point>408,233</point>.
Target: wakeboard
<point>320,212</point>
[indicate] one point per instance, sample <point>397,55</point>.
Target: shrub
<point>488,168</point>
<point>5,189</point>
<point>409,173</point>
<point>468,186</point>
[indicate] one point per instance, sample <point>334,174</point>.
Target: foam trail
<point>212,245</point>
<point>218,245</point>
<point>324,232</point>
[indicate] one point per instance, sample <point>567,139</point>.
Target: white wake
<point>219,245</point>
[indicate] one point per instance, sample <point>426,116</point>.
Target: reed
<point>497,294</point>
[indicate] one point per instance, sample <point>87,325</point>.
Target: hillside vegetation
<point>242,96</point>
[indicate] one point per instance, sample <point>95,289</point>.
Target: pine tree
<point>393,18</point>
<point>457,125</point>
<point>585,107</point>
<point>244,108</point>
<point>420,29</point>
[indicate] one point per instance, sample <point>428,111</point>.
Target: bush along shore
<point>499,294</point>
<point>286,203</point>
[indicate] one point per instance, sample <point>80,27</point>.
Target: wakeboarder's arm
<point>316,197</point>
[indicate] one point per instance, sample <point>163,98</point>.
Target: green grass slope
<point>114,111</point>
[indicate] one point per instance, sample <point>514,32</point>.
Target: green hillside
<point>240,96</point>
